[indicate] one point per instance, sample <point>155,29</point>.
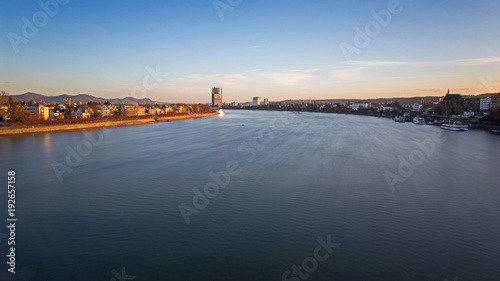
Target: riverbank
<point>93,125</point>
<point>474,125</point>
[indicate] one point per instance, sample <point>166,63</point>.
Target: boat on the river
<point>455,127</point>
<point>399,119</point>
<point>419,120</point>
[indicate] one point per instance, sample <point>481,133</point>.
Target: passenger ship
<point>454,127</point>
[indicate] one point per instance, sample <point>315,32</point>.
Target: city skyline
<point>282,50</point>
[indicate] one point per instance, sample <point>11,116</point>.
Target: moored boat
<point>399,119</point>
<point>454,127</point>
<point>419,120</point>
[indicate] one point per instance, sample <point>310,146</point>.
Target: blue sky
<point>272,49</point>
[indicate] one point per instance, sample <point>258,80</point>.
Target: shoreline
<point>478,127</point>
<point>83,126</point>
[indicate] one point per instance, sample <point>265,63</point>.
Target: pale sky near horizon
<point>272,49</point>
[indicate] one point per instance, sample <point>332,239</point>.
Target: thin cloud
<point>464,62</point>
<point>234,76</point>
<point>436,90</point>
<point>287,79</point>
<point>348,73</point>
<point>478,61</point>
<point>221,79</point>
<point>420,77</point>
<point>231,79</point>
<point>377,63</point>
<point>317,67</point>
<point>430,90</point>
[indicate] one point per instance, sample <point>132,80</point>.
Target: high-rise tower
<point>217,97</point>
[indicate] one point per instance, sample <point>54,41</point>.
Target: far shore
<point>93,125</point>
<point>476,126</point>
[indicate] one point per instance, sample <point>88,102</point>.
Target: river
<point>255,195</point>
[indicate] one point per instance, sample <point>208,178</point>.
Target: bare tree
<point>15,112</point>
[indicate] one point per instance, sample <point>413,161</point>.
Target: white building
<point>485,104</point>
<point>56,113</point>
<point>38,110</point>
<point>468,114</point>
<point>166,109</point>
<point>384,108</point>
<point>413,107</point>
<point>256,101</point>
<point>417,107</point>
<point>358,105</point>
<point>266,101</point>
<point>107,110</point>
<point>81,113</point>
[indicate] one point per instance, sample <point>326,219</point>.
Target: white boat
<point>419,121</point>
<point>454,127</point>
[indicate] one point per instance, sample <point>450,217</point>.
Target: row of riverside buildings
<point>451,104</point>
<point>79,110</point>
<point>455,105</point>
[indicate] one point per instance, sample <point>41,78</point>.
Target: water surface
<point>303,177</point>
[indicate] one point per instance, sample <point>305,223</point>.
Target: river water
<point>255,195</point>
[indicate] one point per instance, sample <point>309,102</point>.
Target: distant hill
<point>83,98</point>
